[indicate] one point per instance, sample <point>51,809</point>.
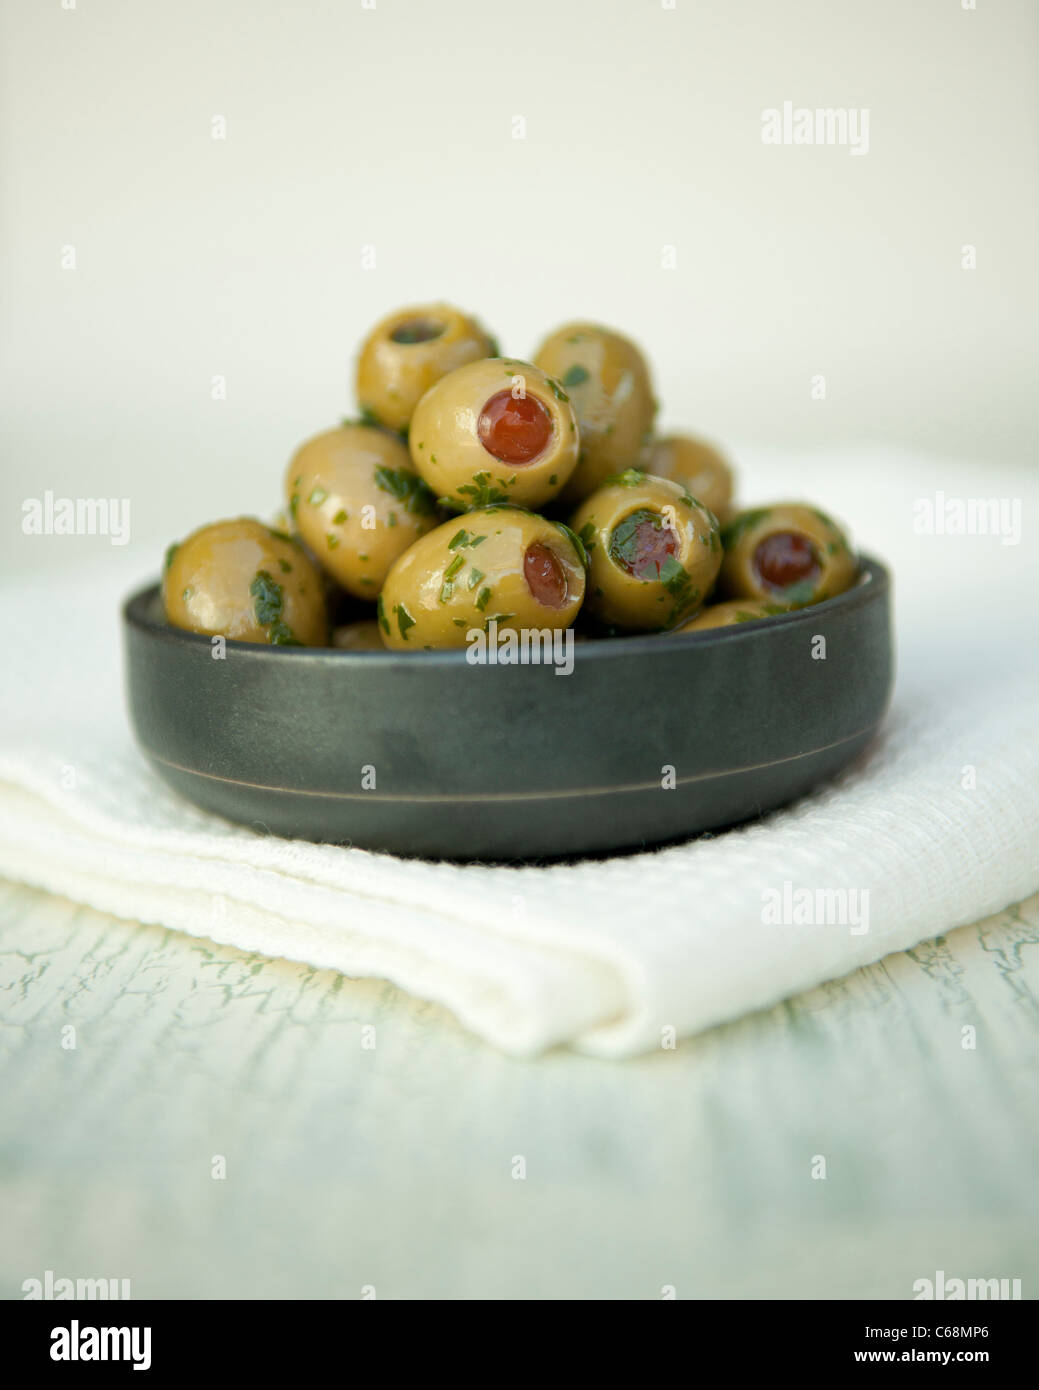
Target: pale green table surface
<point>393,1167</point>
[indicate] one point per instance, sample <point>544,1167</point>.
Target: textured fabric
<point>938,823</point>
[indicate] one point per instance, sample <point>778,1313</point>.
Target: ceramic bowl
<point>645,740</point>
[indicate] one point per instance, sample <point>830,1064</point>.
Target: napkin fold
<point>935,826</point>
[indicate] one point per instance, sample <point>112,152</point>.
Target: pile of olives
<point>475,487</point>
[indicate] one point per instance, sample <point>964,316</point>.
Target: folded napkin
<point>936,826</point>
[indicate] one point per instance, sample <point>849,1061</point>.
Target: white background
<point>393,128</point>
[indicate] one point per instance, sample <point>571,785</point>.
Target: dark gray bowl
<point>513,762</point>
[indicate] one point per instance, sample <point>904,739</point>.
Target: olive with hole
<point>653,552</point>
<point>607,379</point>
<point>357,503</point>
<point>495,431</point>
<point>700,468</point>
<point>408,351</point>
<point>499,563</point>
<point>241,579</point>
<point>732,612</point>
<point>786,553</point>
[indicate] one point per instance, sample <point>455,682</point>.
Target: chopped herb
<point>476,540</point>
<point>493,347</point>
<point>459,538</point>
<point>557,390</point>
<point>475,576</point>
<point>332,540</point>
<point>741,524</point>
<point>391,520</point>
<point>187,593</point>
<point>362,557</point>
<point>631,477</point>
<point>284,566</point>
<point>339,517</point>
<point>800,593</point>
<point>380,613</point>
<point>270,601</point>
<point>624,540</point>
<point>279,634</point>
<point>455,565</point>
<point>497,618</point>
<point>317,496</point>
<point>576,541</point>
<point>586,535</point>
<point>171,550</point>
<point>553,480</point>
<point>294,505</point>
<point>407,488</point>
<point>269,596</point>
<point>366,416</point>
<point>446,590</point>
<point>575,375</point>
<point>481,492</point>
<point>458,622</point>
<point>674,577</point>
<point>404,619</point>
<point>482,598</point>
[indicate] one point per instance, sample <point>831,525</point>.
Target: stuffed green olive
<point>787,553</point>
<point>608,381</point>
<point>495,431</point>
<point>240,579</point>
<point>653,552</point>
<point>406,352</point>
<point>357,503</point>
<point>499,563</point>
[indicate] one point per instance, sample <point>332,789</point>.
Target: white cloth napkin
<point>938,823</point>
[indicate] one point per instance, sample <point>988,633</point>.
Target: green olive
<point>786,553</point>
<point>495,431</point>
<point>700,468</point>
<point>608,381</point>
<point>495,562</point>
<point>240,579</point>
<point>653,552</point>
<point>362,636</point>
<point>357,503</point>
<point>410,350</point>
<point>738,610</point>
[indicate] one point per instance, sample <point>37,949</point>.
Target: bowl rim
<point>873,582</point>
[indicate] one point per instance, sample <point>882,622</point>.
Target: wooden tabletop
<point>209,1124</point>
